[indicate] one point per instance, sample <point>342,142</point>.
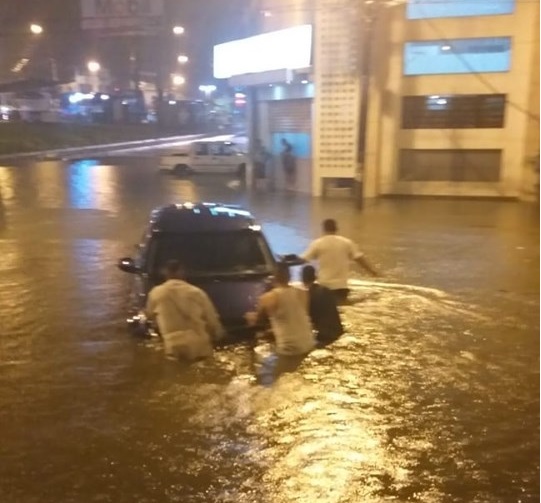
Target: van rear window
<point>214,253</point>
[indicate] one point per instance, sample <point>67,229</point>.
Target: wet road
<point>432,396</point>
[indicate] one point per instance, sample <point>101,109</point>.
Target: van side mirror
<point>127,264</point>
<point>292,260</point>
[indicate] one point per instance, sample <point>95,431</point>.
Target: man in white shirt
<point>334,255</point>
<point>186,317</point>
<point>287,310</point>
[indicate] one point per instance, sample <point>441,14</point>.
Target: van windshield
<point>213,253</point>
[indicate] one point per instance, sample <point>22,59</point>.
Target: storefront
<point>284,112</point>
<point>280,94</point>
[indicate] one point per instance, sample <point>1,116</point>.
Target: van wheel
<point>241,171</point>
<point>181,170</point>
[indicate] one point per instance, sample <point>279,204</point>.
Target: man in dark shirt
<point>322,308</point>
<point>289,164</point>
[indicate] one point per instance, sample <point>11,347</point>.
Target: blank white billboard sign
<point>288,49</point>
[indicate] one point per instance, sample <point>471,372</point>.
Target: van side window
<point>201,149</point>
<point>215,149</point>
<point>228,149</point>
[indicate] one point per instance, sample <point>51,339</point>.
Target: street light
<point>178,80</point>
<point>183,59</point>
<point>93,66</point>
<point>36,29</point>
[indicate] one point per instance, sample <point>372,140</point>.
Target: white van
<point>206,157</point>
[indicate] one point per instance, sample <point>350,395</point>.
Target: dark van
<point>223,250</point>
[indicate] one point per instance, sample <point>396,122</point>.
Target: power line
<point>295,8</point>
<point>479,75</point>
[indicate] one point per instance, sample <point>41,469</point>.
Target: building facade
<point>450,89</point>
<point>455,99</point>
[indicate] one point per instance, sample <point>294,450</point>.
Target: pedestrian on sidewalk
<point>334,254</point>
<point>187,319</point>
<point>261,158</point>
<point>286,307</point>
<point>321,308</point>
<point>289,165</point>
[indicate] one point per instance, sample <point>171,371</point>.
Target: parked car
<point>223,250</point>
<point>206,157</point>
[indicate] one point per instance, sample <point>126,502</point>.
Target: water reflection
<point>183,191</point>
<point>353,422</point>
<point>7,184</point>
<point>270,367</point>
<point>49,185</point>
<point>430,396</point>
<point>93,185</point>
<point>2,210</point>
<point>283,239</point>
<point>90,270</point>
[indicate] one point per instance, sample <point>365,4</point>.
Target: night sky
<point>207,22</point>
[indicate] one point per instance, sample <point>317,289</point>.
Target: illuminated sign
<point>288,49</point>
<point>466,55</point>
<point>422,9</point>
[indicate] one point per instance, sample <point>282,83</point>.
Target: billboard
<point>134,16</point>
<point>288,49</point>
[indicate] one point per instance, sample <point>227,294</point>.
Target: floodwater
<point>431,396</point>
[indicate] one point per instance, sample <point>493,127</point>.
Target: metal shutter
<point>290,116</point>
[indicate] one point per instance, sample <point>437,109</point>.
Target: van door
<point>219,157</point>
<point>201,158</point>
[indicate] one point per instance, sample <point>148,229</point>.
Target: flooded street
<point>431,396</point>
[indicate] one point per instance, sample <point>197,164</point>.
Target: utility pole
<point>159,75</point>
<point>54,69</point>
<point>368,16</point>
<point>135,60</point>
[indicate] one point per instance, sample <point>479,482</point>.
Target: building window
<point>468,55</point>
<point>449,165</point>
<point>453,111</point>
<point>423,9</point>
